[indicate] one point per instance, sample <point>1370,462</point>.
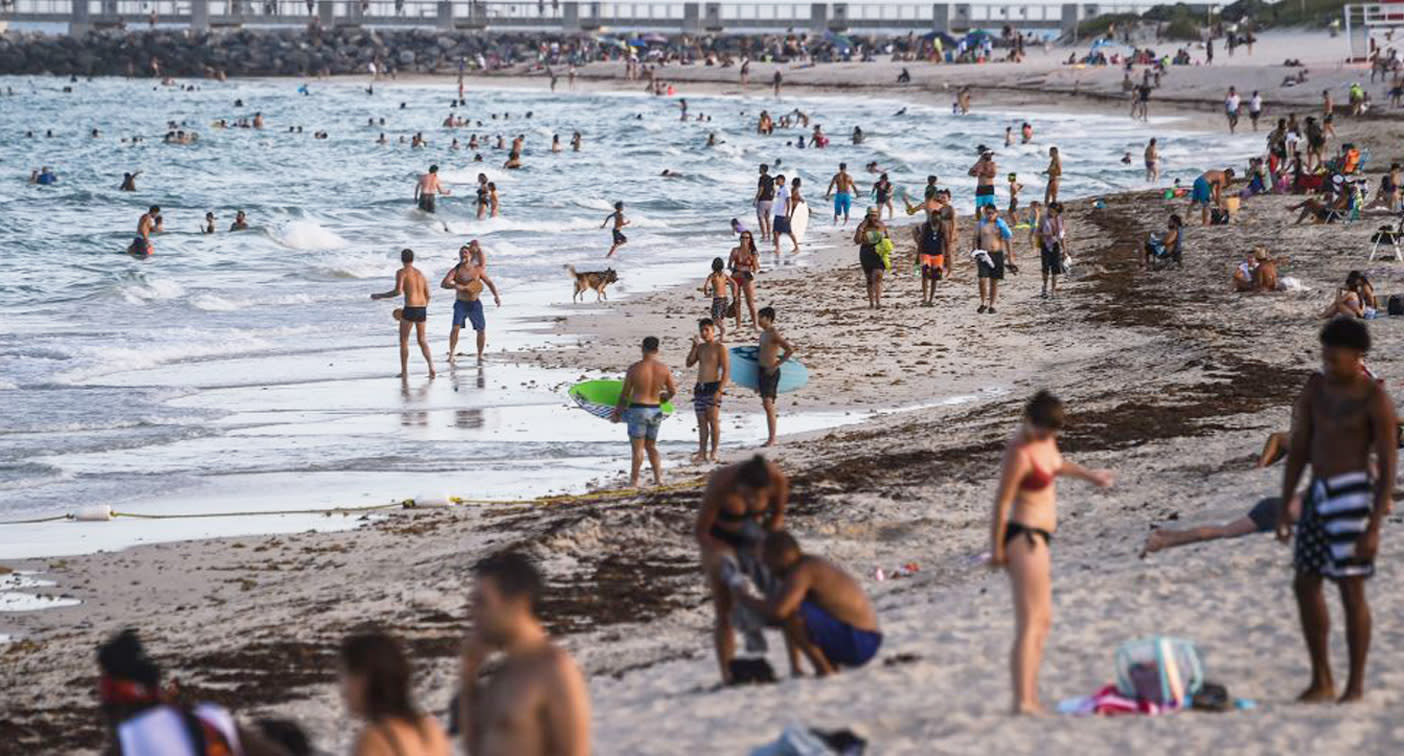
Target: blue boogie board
<point>745,371</point>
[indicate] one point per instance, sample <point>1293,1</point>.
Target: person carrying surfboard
<point>773,351</point>
<point>713,362</point>
<point>647,385</point>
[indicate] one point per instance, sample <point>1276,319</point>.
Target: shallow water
<point>226,366</point>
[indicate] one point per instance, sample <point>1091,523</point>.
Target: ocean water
<point>250,371</point>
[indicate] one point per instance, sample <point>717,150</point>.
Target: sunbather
<point>1321,211</point>
<point>1262,518</point>
<point>1356,299</point>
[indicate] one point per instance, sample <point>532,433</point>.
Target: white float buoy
<point>94,513</point>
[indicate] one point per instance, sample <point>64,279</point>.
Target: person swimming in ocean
<point>484,196</point>
<point>240,223</point>
<point>427,188</point>
<point>128,182</point>
<point>149,223</point>
<point>209,227</point>
<point>410,282</point>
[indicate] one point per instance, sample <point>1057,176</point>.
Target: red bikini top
<point>1037,479</point>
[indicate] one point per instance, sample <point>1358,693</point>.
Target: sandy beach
<point>1171,380</point>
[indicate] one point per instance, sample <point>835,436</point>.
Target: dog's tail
<point>571,270</point>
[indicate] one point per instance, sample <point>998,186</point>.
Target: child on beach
<point>617,234</point>
<point>717,286</point>
<point>1014,189</point>
<point>774,351</point>
<point>713,363</point>
<point>1025,514</point>
<point>1341,416</point>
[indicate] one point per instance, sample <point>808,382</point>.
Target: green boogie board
<point>599,398</point>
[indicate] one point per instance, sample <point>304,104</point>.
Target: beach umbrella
<point>945,38</point>
<point>655,39</point>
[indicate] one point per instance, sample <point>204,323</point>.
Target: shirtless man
<point>774,351</point>
<point>824,611</point>
<point>427,188</point>
<point>742,502</point>
<point>241,222</point>
<point>410,282</point>
<point>647,385</point>
<point>984,172</point>
<point>1342,415</point>
<point>713,362</point>
<point>149,222</point>
<point>1208,191</point>
<point>842,187</point>
<point>992,236</point>
<point>467,280</point>
<point>535,702</point>
<point>1152,161</point>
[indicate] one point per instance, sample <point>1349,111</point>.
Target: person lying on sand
<point>535,701</point>
<point>1262,518</point>
<point>824,611</point>
<point>742,502</point>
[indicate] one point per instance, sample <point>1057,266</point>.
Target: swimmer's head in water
<point>154,209</point>
<point>209,216</point>
<point>433,169</point>
<point>406,255</point>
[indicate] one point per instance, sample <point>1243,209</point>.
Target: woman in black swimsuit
<point>882,191</point>
<point>869,234</point>
<point>742,503</point>
<point>1021,532</point>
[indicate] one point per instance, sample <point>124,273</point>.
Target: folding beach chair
<point>1388,235</point>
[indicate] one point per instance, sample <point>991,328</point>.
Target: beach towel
<point>1108,702</point>
<point>748,563</point>
<point>798,740</point>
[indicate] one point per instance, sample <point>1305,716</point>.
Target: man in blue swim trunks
<point>647,386</point>
<point>1208,191</point>
<point>841,188</point>
<point>467,279</point>
<point>824,611</point>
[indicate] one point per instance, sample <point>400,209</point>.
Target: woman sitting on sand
<point>375,683</point>
<point>1257,273</point>
<point>1021,532</point>
<point>1356,300</point>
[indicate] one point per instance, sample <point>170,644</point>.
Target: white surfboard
<point>800,221</point>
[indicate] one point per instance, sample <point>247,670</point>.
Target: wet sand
<point>1171,380</point>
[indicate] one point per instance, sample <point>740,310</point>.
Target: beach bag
<point>884,249</point>
<point>1160,669</point>
<point>1218,217</point>
<point>1396,304</point>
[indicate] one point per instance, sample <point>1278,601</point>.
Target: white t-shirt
<point>1231,103</point>
<point>1255,105</point>
<point>782,200</point>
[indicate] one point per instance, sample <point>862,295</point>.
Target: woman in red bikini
<point>1025,515</point>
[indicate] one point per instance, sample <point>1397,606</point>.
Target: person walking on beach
<point>993,253</point>
<point>1050,236</point>
<point>1255,109</point>
<point>1342,415</point>
<point>410,282</point>
<point>713,362</point>
<point>535,700</point>
<point>869,234</point>
<point>786,201</point>
<point>427,188</point>
<point>842,187</point>
<point>376,686</point>
<point>984,171</point>
<point>741,504</point>
<point>647,386</point>
<point>765,200</point>
<point>1152,162</point>
<point>1232,103</point>
<point>1055,176</point>
<point>773,351</point>
<point>775,81</point>
<point>932,245</point>
<point>617,237</point>
<point>467,280</point>
<point>1021,534</point>
<point>823,609</point>
<point>725,294</point>
<point>744,263</point>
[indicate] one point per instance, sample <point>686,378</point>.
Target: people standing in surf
<point>1232,105</point>
<point>410,283</point>
<point>483,197</point>
<point>427,188</point>
<point>147,224</point>
<point>784,210</point>
<point>617,236</point>
<point>773,351</point>
<point>870,233</point>
<point>842,187</point>
<point>744,263</point>
<point>576,141</point>
<point>467,280</point>
<point>992,254</point>
<point>1050,236</point>
<point>1152,161</point>
<point>765,200</point>
<point>209,227</point>
<point>984,172</point>
<point>648,384</point>
<point>713,363</point>
<point>1021,534</point>
<point>1342,415</point>
<point>882,194</point>
<point>1054,172</point>
<point>128,182</point>
<point>718,286</point>
<point>741,504</point>
<point>240,223</point>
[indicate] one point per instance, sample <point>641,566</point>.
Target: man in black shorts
<point>773,351</point>
<point>992,254</point>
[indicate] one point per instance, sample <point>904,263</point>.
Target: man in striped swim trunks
<point>1342,415</point>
